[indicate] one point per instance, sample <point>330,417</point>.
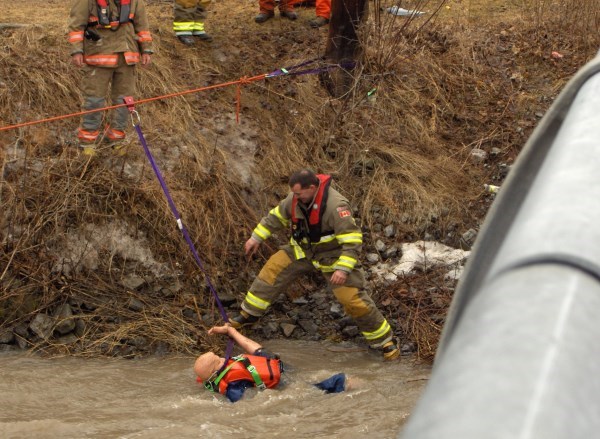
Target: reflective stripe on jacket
<point>340,239</point>
<point>131,37</point>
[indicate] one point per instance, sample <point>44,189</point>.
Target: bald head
<point>207,364</point>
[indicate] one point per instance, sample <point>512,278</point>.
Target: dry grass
<point>445,84</point>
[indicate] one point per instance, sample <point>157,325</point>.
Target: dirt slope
<point>97,235</point>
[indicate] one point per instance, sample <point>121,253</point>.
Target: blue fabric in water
<point>333,384</point>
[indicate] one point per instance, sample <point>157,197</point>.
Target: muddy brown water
<point>159,398</point>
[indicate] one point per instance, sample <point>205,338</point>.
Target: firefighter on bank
<point>108,39</point>
<point>322,11</point>
<point>188,21</point>
<point>326,238</point>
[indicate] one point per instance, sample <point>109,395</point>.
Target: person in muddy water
<point>325,238</point>
<point>255,368</point>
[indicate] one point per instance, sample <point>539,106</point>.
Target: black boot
<point>242,319</point>
<point>188,40</point>
<point>290,15</point>
<point>390,350</point>
<point>263,16</point>
<point>204,37</point>
<point>318,22</point>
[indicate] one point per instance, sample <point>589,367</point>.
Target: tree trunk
<point>343,45</point>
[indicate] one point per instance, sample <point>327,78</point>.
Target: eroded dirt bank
<point>91,261</point>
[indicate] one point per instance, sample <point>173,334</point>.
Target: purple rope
<point>186,235</point>
<point>178,219</point>
<point>292,71</point>
<point>286,70</point>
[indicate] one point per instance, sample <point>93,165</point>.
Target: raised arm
<point>250,346</point>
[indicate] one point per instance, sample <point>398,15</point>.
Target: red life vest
<point>317,209</point>
<point>269,370</point>
<point>104,14</point>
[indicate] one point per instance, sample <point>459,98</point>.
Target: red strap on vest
<point>104,3</point>
<point>315,213</point>
<point>123,15</point>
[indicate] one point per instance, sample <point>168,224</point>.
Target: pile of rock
<point>62,327</point>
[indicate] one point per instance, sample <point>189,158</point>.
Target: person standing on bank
<point>267,10</point>
<point>323,13</point>
<point>324,237</point>
<point>188,21</point>
<point>108,38</point>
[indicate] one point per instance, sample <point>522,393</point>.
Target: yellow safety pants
<point>282,268</point>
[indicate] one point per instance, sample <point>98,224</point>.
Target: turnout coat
<point>103,29</point>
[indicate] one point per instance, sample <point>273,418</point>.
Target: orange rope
<point>238,103</point>
<point>239,82</point>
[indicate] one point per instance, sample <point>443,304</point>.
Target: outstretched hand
<point>248,345</point>
<point>224,329</point>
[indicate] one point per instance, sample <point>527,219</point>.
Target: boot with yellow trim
<point>116,140</point>
<point>86,140</point>
<point>89,151</point>
<point>390,350</point>
<point>243,319</point>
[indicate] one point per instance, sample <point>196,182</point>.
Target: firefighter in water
<point>324,237</point>
<point>188,21</point>
<point>255,368</point>
<point>108,39</point>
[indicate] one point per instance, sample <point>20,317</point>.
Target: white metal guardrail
<point>520,350</point>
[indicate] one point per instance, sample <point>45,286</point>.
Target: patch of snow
<point>81,248</point>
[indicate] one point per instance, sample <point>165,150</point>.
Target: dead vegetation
<point>475,75</point>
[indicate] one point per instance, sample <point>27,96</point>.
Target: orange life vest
<point>268,369</point>
<point>314,232</point>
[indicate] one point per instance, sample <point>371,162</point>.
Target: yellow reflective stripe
<point>298,252</point>
<point>350,238</point>
<point>347,261</point>
<point>256,302</point>
<point>324,268</point>
<point>383,329</point>
<point>276,212</point>
<point>262,232</point>
<point>179,26</point>
<point>325,239</point>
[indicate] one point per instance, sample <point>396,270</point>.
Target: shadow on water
<point>158,398</point>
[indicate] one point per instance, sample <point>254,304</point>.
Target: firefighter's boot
<point>243,319</point>
<point>390,350</point>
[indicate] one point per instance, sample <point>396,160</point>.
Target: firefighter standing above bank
<point>322,11</point>
<point>108,38</point>
<point>267,10</point>
<point>188,20</point>
<point>324,237</point>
